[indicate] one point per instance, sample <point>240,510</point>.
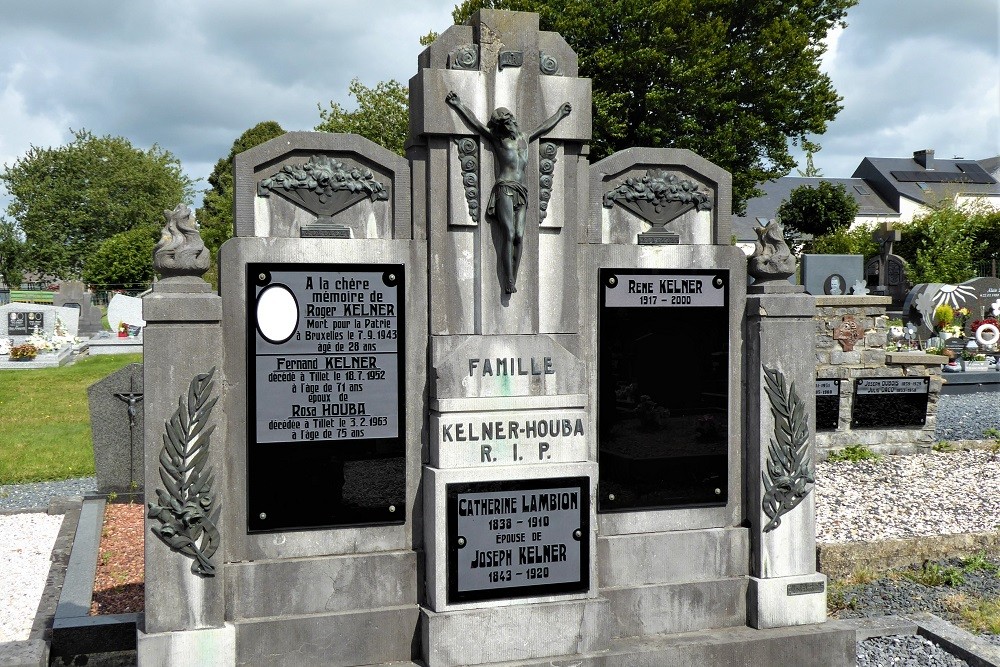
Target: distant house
<point>887,189</point>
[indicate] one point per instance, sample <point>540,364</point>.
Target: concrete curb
<point>840,560</point>
<point>950,637</point>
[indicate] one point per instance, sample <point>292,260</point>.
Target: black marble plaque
<point>827,404</point>
<point>325,396</point>
<point>518,538</point>
<point>25,322</point>
<point>663,383</point>
<point>885,402</point>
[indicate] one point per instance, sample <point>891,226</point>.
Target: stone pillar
<point>184,620</point>
<point>785,588</point>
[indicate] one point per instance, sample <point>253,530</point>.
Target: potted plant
<point>944,315</point>
<point>24,352</point>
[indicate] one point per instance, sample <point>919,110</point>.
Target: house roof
<point>761,209</point>
<point>926,179</point>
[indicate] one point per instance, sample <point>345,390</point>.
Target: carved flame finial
<point>180,250</point>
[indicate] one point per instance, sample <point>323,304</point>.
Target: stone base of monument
<point>210,646</point>
<point>508,633</point>
<point>336,600</point>
<point>49,360</point>
<point>113,345</point>
<point>787,601</point>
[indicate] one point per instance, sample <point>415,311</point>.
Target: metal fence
<point>102,294</point>
<point>987,267</point>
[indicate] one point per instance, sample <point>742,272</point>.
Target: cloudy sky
<point>193,75</point>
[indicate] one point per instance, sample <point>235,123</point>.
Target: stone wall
<point>869,358</point>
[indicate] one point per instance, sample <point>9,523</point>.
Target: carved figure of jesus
<point>509,197</point>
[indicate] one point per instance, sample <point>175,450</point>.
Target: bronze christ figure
<point>509,197</point>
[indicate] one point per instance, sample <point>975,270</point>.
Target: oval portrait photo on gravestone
<point>835,285</point>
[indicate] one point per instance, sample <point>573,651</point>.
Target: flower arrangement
<point>962,318</point>
<point>944,315</point>
<point>988,320</point>
<point>25,352</point>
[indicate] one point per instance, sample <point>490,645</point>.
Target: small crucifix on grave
<point>885,236</point>
<point>131,398</point>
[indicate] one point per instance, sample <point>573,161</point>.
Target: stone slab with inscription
<point>827,404</point>
<point>890,401</point>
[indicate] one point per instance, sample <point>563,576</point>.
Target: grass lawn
<point>45,419</point>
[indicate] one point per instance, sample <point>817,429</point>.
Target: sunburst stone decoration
<point>186,509</point>
<point>789,476</point>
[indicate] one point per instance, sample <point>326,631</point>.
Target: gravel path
<point>25,551</point>
<point>967,416</point>
<point>36,496</point>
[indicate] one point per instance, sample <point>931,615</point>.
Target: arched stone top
<point>390,170</point>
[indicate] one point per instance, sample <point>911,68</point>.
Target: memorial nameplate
<point>25,323</point>
<point>890,402</point>
<point>827,404</point>
<point>326,394</point>
<point>663,419</point>
<point>518,538</point>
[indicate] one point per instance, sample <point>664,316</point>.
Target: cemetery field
<point>45,419</point>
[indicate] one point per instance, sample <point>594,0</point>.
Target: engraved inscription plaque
<point>663,421</point>
<point>520,538</point>
<point>326,404</point>
<point>887,402</point>
<point>827,404</point>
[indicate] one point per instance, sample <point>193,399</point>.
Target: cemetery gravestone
<point>981,296</point>
<point>513,297</point>
<point>831,275</point>
<point>73,294</point>
<point>116,418</point>
<point>20,320</point>
<point>125,309</point>
<point>827,404</point>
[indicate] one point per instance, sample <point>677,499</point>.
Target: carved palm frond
<point>186,508</point>
<point>789,476</point>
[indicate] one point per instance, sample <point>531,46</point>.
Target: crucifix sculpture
<point>509,197</point>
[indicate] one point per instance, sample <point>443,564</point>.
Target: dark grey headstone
<point>116,421</point>
<point>831,275</point>
<point>74,294</point>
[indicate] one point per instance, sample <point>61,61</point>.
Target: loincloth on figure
<point>511,189</point>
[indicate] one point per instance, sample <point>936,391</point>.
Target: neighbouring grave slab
<point>831,275</point>
<point>127,309</point>
<point>116,418</point>
<point>74,294</point>
<point>20,320</point>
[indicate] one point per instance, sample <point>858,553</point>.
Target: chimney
<point>924,158</point>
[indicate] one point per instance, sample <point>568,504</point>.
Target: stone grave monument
<point>74,294</point>
<point>436,416</point>
<point>832,275</point>
<point>886,273</point>
<point>981,296</point>
<point>116,419</point>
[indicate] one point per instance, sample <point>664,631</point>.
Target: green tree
<point>68,200</point>
<point>732,80</point>
<point>382,114</point>
<point>945,244</point>
<point>819,210</point>
<point>847,241</point>
<point>11,254</point>
<point>125,259</point>
<point>215,217</point>
<point>811,170</point>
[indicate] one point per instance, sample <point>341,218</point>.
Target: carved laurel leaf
<point>185,509</point>
<point>789,477</point>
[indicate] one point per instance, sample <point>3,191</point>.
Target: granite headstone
<point>116,419</point>
<point>127,309</point>
<point>831,275</point>
<point>73,294</point>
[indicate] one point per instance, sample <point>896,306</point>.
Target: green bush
<point>852,453</point>
<point>124,259</point>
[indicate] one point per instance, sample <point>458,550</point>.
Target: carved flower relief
<point>547,64</point>
<point>465,56</point>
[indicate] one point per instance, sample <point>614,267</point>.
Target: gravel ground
<point>904,651</point>
<point>967,416</point>
<point>37,495</point>
<point>25,551</point>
